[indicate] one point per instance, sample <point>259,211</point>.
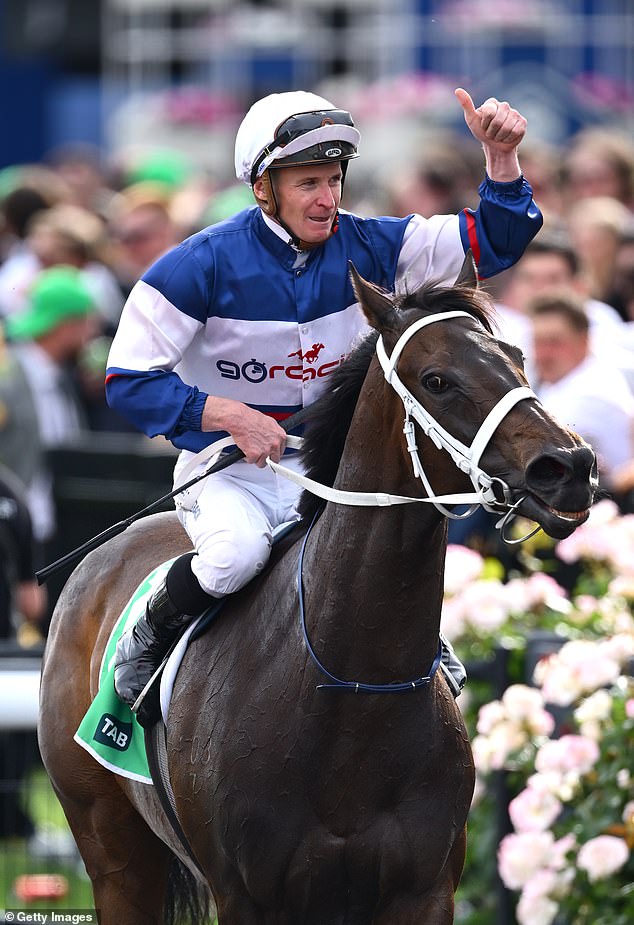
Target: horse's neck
<point>377,573</point>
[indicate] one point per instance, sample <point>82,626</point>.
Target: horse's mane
<point>330,419</point>
<point>331,414</point>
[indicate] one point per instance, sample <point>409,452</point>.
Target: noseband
<point>491,492</point>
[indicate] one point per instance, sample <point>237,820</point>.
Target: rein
<point>355,687</point>
<point>492,493</point>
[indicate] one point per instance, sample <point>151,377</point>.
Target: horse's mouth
<point>556,523</point>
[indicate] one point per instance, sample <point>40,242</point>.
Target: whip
<point>227,460</point>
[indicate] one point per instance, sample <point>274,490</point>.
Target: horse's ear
<point>468,276</point>
<point>377,305</point>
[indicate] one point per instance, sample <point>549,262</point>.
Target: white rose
<point>602,856</point>
<point>536,911</point>
<point>534,810</point>
<point>521,855</point>
<point>521,701</point>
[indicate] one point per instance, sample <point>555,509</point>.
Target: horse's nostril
<point>560,467</point>
<point>547,469</point>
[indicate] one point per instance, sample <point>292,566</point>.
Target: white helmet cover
<point>257,130</point>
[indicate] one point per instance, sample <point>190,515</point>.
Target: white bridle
<point>490,492</point>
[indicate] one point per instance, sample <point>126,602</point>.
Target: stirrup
<point>155,679</point>
<point>454,671</point>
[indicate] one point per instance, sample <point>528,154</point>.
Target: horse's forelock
<point>436,299</point>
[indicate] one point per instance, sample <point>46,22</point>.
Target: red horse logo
<point>311,355</point>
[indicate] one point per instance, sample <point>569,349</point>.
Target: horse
<point>321,770</point>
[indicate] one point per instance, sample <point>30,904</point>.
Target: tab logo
<point>114,733</point>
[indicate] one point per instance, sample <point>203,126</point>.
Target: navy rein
<point>355,687</point>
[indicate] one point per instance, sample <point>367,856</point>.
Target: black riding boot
<point>141,650</point>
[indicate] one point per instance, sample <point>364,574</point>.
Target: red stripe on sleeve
<point>473,237</point>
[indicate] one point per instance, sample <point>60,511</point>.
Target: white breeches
<point>232,519</point>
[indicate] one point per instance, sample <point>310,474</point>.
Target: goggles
<point>303,130</point>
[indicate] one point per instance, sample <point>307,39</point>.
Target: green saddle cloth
<point>109,731</point>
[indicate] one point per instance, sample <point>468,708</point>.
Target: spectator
<point>441,183</point>
<point>596,226</point>
<point>583,391</point>
<point>72,236</point>
<point>21,449</point>
<point>599,163</point>
<point>142,230</point>
<point>22,600</point>
<point>46,338</point>
<point>81,168</point>
<point>621,295</point>
<point>542,163</point>
<point>24,191</point>
<point>550,264</point>
<point>22,610</point>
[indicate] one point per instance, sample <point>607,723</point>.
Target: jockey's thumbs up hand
<point>494,123</point>
<point>499,128</point>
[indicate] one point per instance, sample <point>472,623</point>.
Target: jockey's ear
<point>468,276</point>
<point>377,305</point>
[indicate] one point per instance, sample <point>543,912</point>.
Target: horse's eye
<point>435,384</point>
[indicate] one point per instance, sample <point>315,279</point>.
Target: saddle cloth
<point>109,731</point>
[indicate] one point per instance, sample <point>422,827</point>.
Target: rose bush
<point>562,735</point>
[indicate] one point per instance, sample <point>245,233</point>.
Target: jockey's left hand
<point>500,128</point>
<point>494,123</point>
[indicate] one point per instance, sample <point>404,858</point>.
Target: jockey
<point>238,327</point>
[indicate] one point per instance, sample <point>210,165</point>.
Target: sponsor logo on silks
<point>256,372</point>
<point>333,152</point>
<point>112,732</point>
<point>310,356</point>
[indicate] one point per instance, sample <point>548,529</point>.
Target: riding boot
<point>452,668</point>
<point>141,650</point>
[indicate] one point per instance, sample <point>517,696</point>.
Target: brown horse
<point>307,806</point>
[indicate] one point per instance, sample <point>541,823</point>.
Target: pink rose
<point>521,855</point>
<point>573,753</point>
<point>534,810</point>
<point>602,856</point>
<point>462,566</point>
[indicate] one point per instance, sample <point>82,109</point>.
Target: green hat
<point>56,295</point>
<point>227,202</point>
<point>169,168</point>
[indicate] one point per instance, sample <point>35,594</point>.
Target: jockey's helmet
<point>290,130</point>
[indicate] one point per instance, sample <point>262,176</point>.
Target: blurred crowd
<point>76,232</point>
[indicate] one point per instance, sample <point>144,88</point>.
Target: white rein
<point>491,493</point>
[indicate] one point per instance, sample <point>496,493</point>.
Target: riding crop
<point>227,460</point>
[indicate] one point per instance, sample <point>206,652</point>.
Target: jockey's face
<point>308,199</point>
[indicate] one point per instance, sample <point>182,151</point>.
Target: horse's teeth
<point>568,515</point>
